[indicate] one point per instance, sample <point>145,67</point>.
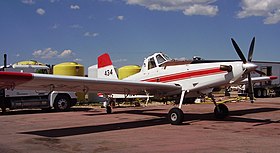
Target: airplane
<point>160,76</point>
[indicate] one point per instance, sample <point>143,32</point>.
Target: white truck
<point>20,99</point>
<point>268,88</point>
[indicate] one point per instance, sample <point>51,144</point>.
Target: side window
<point>151,63</point>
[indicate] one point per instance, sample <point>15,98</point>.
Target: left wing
<point>33,81</point>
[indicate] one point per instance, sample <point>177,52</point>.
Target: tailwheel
<point>176,116</point>
<point>221,111</point>
<point>108,109</point>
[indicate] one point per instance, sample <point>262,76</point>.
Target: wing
<point>259,79</point>
<point>32,81</point>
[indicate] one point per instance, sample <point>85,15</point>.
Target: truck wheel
<point>259,93</point>
<point>264,93</point>
<point>61,103</point>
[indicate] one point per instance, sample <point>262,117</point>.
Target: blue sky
<point>55,31</point>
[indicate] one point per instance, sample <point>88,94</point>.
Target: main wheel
<point>176,116</point>
<point>61,103</point>
<point>108,109</point>
<point>222,112</point>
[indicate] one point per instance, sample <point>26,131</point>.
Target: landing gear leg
<point>148,98</point>
<point>108,109</point>
<point>106,104</point>
<point>176,115</point>
<point>221,110</point>
<point>3,105</point>
<point>3,109</point>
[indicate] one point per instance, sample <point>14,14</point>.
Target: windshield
<point>162,58</point>
<point>166,57</point>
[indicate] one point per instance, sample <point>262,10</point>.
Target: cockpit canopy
<point>155,60</point>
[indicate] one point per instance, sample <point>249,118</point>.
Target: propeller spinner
<point>247,65</point>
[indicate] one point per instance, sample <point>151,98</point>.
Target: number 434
<point>108,72</point>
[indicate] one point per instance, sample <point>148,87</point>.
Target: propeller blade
<point>238,51</point>
<point>250,88</point>
<point>251,50</point>
<point>260,72</point>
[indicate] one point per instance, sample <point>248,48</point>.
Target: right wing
<point>33,81</point>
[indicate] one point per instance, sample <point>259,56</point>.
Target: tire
<point>108,109</point>
<point>264,93</point>
<point>137,104</point>
<point>259,93</point>
<point>62,103</point>
<point>175,116</point>
<point>222,113</point>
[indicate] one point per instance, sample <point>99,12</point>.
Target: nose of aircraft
<point>250,66</point>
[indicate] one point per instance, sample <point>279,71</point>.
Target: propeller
<point>247,65</point>
<point>260,72</point>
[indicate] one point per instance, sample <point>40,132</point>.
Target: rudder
<point>105,67</point>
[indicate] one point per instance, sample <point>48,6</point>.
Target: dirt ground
<point>249,128</point>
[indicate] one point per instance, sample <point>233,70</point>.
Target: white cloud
<point>55,26</point>
<point>74,7</point>
<point>78,60</point>
<point>273,18</point>
<point>90,34</point>
<point>46,54</point>
<point>120,17</point>
<point>188,7</point>
<point>53,1</point>
<point>91,17</point>
<point>49,53</point>
<point>181,58</point>
<point>76,26</point>
<point>119,60</point>
<point>270,9</point>
<point>66,54</point>
<point>30,2</point>
<point>208,10</point>
<point>106,0</point>
<point>40,11</point>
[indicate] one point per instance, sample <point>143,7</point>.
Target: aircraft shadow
<point>39,111</point>
<point>160,120</point>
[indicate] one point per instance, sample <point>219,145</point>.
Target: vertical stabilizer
<point>105,67</point>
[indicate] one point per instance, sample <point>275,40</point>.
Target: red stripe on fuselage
<point>185,75</point>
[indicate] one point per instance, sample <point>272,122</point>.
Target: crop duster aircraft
<point>160,76</point>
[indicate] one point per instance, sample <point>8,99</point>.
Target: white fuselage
<point>192,77</point>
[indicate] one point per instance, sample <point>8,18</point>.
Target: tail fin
<point>105,67</point>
